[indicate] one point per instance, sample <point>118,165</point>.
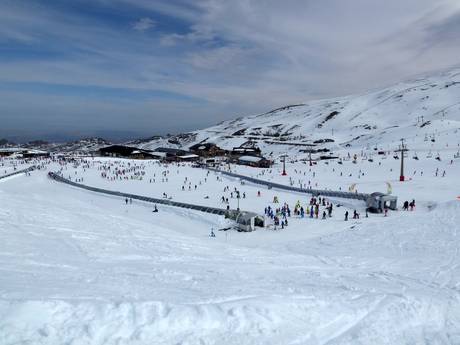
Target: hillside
<point>423,111</point>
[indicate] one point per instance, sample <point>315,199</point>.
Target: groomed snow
<point>82,268</point>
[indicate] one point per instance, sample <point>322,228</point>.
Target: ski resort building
<point>253,161</point>
<point>208,150</point>
<point>243,151</point>
<point>128,152</point>
<point>188,158</point>
<point>176,155</point>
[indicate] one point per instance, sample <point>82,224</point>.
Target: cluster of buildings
<point>202,153</point>
<point>22,152</point>
<point>207,153</point>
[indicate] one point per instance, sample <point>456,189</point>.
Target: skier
<point>346,215</point>
<point>406,205</point>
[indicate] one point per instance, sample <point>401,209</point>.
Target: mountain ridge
<point>412,109</point>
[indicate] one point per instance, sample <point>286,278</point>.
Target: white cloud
<point>237,56</point>
<point>144,24</point>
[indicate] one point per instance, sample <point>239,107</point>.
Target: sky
<point>137,68</point>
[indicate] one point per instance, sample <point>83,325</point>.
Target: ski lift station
<point>377,202</point>
<point>246,221</point>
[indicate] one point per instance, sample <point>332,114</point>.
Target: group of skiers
<point>279,215</point>
<point>409,205</point>
<point>355,215</point>
<point>122,171</point>
<point>312,209</point>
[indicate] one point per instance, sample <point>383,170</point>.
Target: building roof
<point>251,159</point>
<point>242,217</point>
<point>383,196</point>
<point>244,149</point>
<point>189,156</point>
<point>158,154</point>
<point>126,150</point>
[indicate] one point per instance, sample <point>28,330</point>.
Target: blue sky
<point>122,68</point>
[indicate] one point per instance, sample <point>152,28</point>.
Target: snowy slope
<point>379,117</point>
<point>81,268</point>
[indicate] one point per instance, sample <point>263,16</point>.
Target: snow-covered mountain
<point>420,110</point>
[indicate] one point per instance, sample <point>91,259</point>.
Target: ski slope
<point>418,110</point>
<point>82,268</point>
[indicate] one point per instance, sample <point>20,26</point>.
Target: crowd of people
<point>156,172</point>
<point>313,209</point>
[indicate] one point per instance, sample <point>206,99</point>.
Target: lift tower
<point>284,165</point>
<point>402,149</point>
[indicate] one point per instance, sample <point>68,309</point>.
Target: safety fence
<point>164,201</point>
<point>23,171</point>
<point>315,192</point>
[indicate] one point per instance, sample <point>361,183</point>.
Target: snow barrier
<point>316,192</point>
<point>18,172</point>
<point>167,202</point>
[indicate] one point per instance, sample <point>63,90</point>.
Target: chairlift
<point>429,155</point>
<point>457,155</point>
<point>415,156</point>
<point>438,157</point>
